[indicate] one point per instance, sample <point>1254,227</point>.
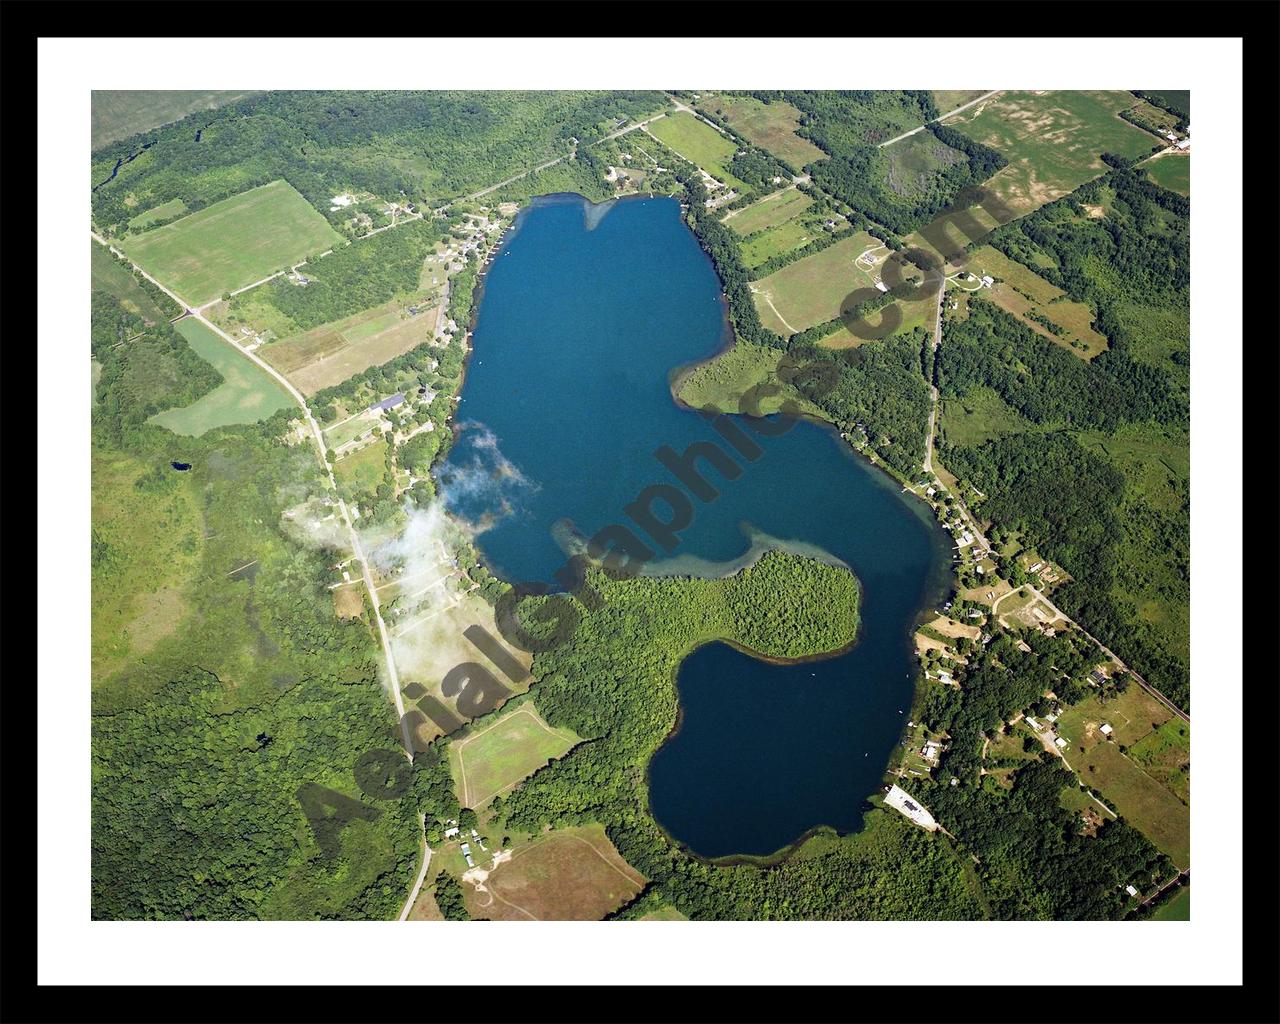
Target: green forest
<point>613,683</point>
<point>1102,482</point>
<point>426,146</point>
<point>204,732</point>
<point>1033,860</point>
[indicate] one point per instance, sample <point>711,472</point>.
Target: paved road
<point>1115,657</point>
<point>940,117</point>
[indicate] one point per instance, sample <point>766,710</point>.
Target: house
<point>881,286</point>
<point>1035,568</point>
<point>388,403</point>
<point>1060,743</point>
<point>1131,890</point>
<point>1106,730</point>
<point>449,833</point>
<point>1172,137</point>
<point>1184,144</point>
<point>988,281</point>
<point>944,677</point>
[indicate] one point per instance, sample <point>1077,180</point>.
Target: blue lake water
<point>586,312</point>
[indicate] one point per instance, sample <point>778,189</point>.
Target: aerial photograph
<point>640,505</point>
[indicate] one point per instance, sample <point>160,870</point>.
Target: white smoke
<point>487,486</point>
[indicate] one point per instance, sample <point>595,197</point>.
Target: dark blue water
<point>585,314</point>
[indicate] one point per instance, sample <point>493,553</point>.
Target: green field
<point>497,756</point>
<point>812,290</point>
<point>1177,98</point>
<point>341,433</point>
<point>698,143</point>
<point>173,208</point>
<point>776,241</point>
<point>979,416</point>
<point>147,546</point>
<point>1176,908</point>
<point>119,114</point>
<point>247,394</point>
<point>232,243</point>
<point>108,274</point>
<point>362,471</point>
<point>771,126</point>
<point>371,327</point>
<point>769,212</point>
<point>1052,140</point>
<point>1142,792</point>
<point>1172,171</point>
<point>1033,300</point>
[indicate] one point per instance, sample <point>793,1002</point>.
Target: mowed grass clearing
<point>499,756</point>
<point>771,126</point>
<point>1176,908</point>
<point>769,212</point>
<point>173,208</point>
<point>1143,799</point>
<point>980,416</point>
<point>1052,140</point>
<point>698,143</point>
<point>1171,171</point>
<point>362,470</point>
<point>775,242</point>
<point>232,243</point>
<point>247,393</point>
<point>1024,293</point>
<point>572,874</point>
<point>813,290</point>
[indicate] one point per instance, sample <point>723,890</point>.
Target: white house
<point>1106,730</point>
<point>1060,742</point>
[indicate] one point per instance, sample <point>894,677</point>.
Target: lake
<point>586,313</point>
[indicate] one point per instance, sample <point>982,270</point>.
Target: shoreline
<point>941,578</point>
